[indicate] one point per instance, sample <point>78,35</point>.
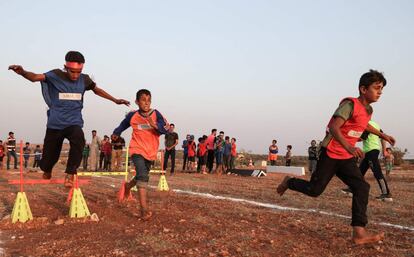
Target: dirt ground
<point>193,225</point>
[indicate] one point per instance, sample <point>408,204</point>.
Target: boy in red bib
<point>147,127</point>
<point>338,154</point>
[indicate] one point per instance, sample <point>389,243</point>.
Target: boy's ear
<point>362,89</point>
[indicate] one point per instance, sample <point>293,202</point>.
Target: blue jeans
<point>14,155</point>
<point>219,157</point>
<point>142,167</point>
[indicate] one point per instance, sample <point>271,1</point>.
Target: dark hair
<point>74,56</point>
<point>200,139</point>
<point>143,92</point>
<point>234,139</point>
<point>27,143</point>
<point>172,124</point>
<point>274,140</point>
<point>221,132</point>
<point>213,130</point>
<point>289,146</point>
<point>205,137</point>
<point>227,138</point>
<point>11,132</point>
<point>94,131</point>
<point>370,77</point>
<point>37,145</point>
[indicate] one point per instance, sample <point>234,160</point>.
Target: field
<point>205,215</point>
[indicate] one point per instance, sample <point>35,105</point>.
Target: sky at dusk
<point>258,70</point>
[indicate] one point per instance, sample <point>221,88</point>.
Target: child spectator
<point>338,154</point>
<point>273,150</point>
<point>202,154</point>
<point>37,156</point>
<point>233,153</point>
<point>191,153</point>
<point>63,92</point>
<point>227,153</point>
<point>116,160</point>
<point>389,161</point>
<point>26,154</point>
<point>147,126</point>
<point>312,156</point>
<point>107,150</point>
<point>185,151</point>
<point>85,156</point>
<point>219,153</point>
<point>288,155</point>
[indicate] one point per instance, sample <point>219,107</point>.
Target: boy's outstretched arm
<point>381,134</point>
<point>33,77</point>
<point>334,129</point>
<point>102,93</point>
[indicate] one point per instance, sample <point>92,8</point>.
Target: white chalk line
<point>1,249</point>
<point>278,207</point>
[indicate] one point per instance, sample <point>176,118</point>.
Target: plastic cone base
<point>78,207</point>
<point>121,194</point>
<point>21,209</point>
<point>162,185</point>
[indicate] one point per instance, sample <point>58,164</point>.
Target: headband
<point>74,65</point>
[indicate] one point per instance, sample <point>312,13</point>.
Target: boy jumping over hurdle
<point>63,93</point>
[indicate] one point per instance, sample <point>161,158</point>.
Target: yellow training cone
<point>21,209</point>
<point>78,207</point>
<point>162,185</point>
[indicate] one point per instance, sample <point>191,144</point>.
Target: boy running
<point>338,154</point>
<point>147,126</point>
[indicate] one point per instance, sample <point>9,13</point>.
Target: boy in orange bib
<point>147,127</point>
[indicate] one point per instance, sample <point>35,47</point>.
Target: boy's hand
<point>355,151</point>
<point>122,101</point>
<point>389,139</point>
<point>17,68</point>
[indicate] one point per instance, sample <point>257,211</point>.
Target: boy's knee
<point>315,192</point>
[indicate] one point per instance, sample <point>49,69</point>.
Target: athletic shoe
<point>385,197</point>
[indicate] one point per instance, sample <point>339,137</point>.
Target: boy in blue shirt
<point>63,93</point>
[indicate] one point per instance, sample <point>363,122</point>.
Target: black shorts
<point>191,159</point>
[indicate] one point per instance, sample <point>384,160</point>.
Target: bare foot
<point>69,180</point>
<point>47,175</point>
<point>146,215</point>
<point>283,186</point>
<point>361,236</point>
